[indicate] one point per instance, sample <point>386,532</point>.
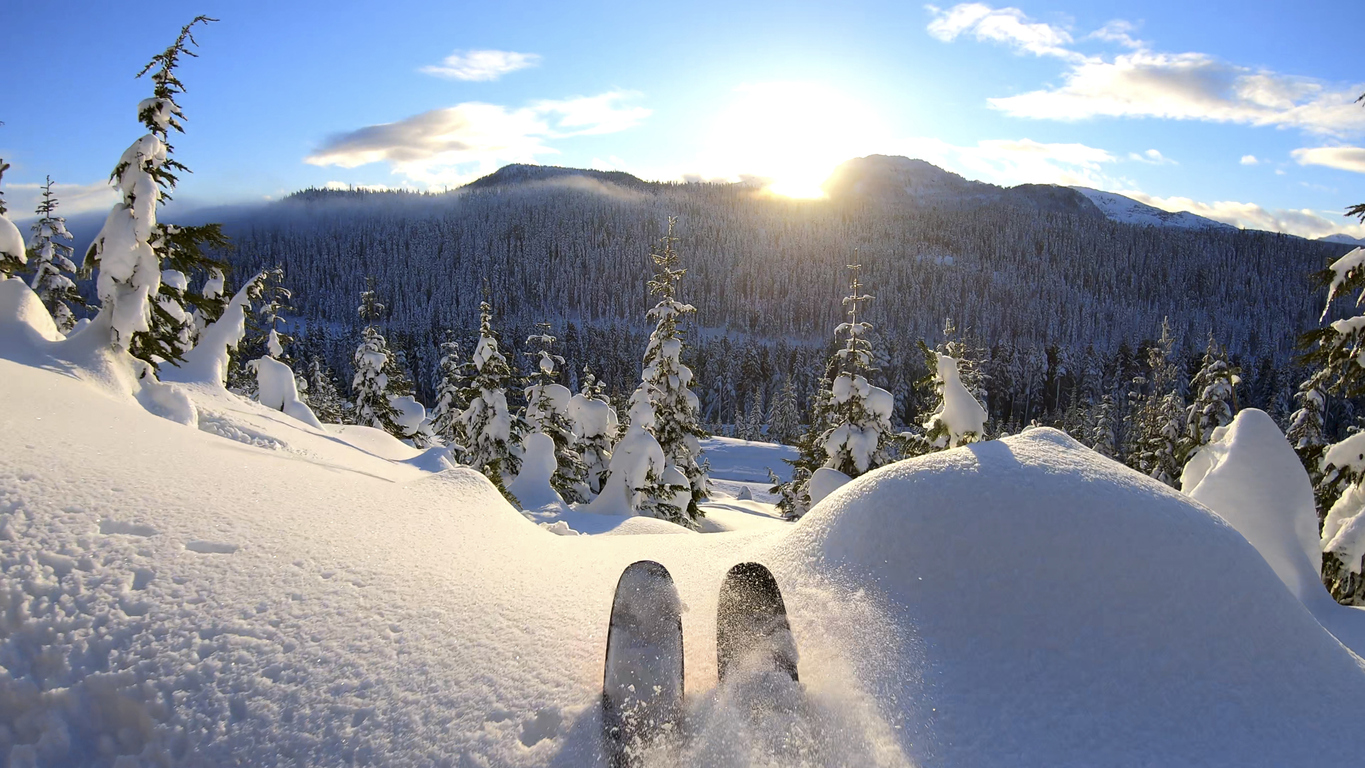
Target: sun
<point>790,136</point>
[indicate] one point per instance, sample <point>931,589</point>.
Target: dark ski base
<point>752,631</point>
<point>642,680</point>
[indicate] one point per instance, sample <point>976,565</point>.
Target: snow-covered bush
<point>13,256</point>
<point>595,426</point>
<point>641,482</point>
<point>960,419</point>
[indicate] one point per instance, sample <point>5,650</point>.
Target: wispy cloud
<point>1017,161</point>
<point>1147,83</point>
<point>72,199</point>
<point>1303,222</point>
<point>1341,158</point>
<point>1151,157</point>
<point>481,65</point>
<point>449,146</point>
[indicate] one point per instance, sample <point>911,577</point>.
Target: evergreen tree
<point>785,419</point>
<point>144,266</point>
<point>1159,416</point>
<point>794,495</point>
<point>666,382</point>
<point>959,418</point>
<point>1102,436</point>
<point>371,390</point>
<point>323,397</point>
<point>493,433</point>
<point>450,403</point>
<point>547,412</point>
<point>13,255</point>
<point>1212,388</point>
<point>53,268</point>
<point>596,433</point>
<point>858,440</point>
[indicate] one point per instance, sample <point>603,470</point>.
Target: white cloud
<point>1151,157</point>
<point>450,146</point>
<point>481,65</point>
<point>1000,25</point>
<point>1341,158</point>
<point>1250,160</point>
<point>1017,161</point>
<point>1302,222</point>
<point>72,199</point>
<point>1147,83</point>
<point>1118,31</point>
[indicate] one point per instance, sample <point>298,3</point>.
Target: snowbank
<point>1058,609</point>
<point>1250,476</point>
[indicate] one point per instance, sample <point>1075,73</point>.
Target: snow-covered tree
<point>53,269</point>
<point>666,382</point>
<point>959,418</point>
<point>1213,393</point>
<point>145,267</point>
<point>595,425</point>
<point>1102,435</point>
<point>858,438</point>
<point>13,256</point>
<point>794,495</point>
<point>323,396</point>
<point>450,404</point>
<point>784,423</point>
<point>641,481</point>
<point>1157,417</point>
<point>492,432</point>
<point>547,412</point>
<point>371,391</point>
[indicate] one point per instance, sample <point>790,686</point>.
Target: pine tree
<point>1102,435</point>
<point>370,388</point>
<point>785,419</point>
<point>450,403</point>
<point>794,495</point>
<point>13,255</point>
<point>547,412</point>
<point>149,316</point>
<point>858,440</point>
<point>323,397</point>
<point>666,382</point>
<point>493,432</point>
<point>1212,388</point>
<point>53,269</point>
<point>596,434</point>
<point>1159,416</point>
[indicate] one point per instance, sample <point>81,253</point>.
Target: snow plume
<point>960,418</point>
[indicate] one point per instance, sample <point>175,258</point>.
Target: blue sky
<point>1241,111</point>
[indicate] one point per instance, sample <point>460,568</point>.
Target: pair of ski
<point>642,684</point>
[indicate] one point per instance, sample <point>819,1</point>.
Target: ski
<point>752,632</point>
<point>642,679</point>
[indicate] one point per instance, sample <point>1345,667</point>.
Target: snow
<point>1340,269</point>
<point>256,590</point>
<point>11,242</point>
<point>1116,207</point>
<point>532,485</point>
<point>637,454</point>
<point>1251,477</point>
<point>207,362</point>
<point>276,389</point>
<point>825,481</point>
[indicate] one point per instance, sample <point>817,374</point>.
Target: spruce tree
<point>794,495</point>
<point>666,382</point>
<point>595,439</point>
<point>450,403</point>
<point>1102,436</point>
<point>323,397</point>
<point>1159,415</point>
<point>547,412</point>
<point>146,315</point>
<point>785,419</point>
<point>13,255</point>
<point>1212,389</point>
<point>858,439</point>
<point>959,418</point>
<point>53,269</point>
<point>370,388</point>
<point>493,432</point>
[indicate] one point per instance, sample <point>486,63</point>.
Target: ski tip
<point>753,577</point>
<point>646,568</point>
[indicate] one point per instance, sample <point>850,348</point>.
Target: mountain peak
<point>524,173</point>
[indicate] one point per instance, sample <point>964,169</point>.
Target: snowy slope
<point>1129,211</point>
<point>256,591</point>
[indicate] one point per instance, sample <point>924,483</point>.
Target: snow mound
<point>1059,609</point>
<point>532,485</point>
<point>1250,476</point>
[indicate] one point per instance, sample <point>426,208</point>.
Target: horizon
<point>1231,116</point>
